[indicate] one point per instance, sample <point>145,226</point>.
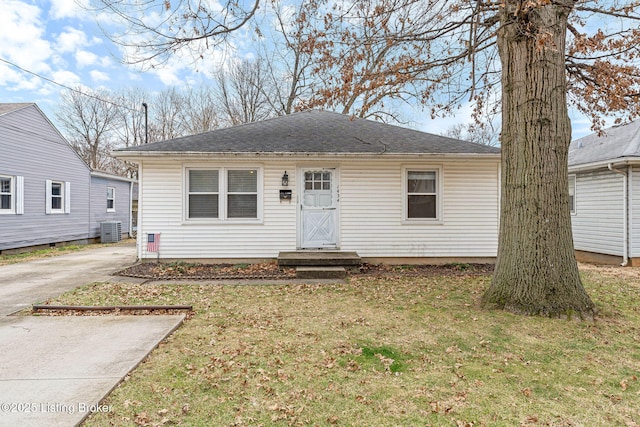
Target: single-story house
<point>604,184</point>
<point>48,195</point>
<point>317,181</point>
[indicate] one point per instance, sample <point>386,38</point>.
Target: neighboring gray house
<point>604,184</point>
<point>316,181</point>
<point>48,195</point>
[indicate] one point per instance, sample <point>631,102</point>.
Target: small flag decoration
<point>153,242</point>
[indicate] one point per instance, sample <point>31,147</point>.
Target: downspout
<point>130,209</point>
<point>625,206</point>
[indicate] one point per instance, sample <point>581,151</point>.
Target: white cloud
<point>67,9</point>
<point>85,58</point>
<point>22,36</point>
<point>71,40</point>
<point>99,76</point>
<point>66,78</point>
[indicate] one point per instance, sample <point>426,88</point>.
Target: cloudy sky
<point>62,42</point>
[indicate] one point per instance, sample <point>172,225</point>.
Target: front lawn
<point>379,351</point>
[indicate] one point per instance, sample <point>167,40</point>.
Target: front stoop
<point>322,272</point>
<point>318,259</point>
<point>319,264</point>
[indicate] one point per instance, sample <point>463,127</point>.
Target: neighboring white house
<point>604,182</point>
<point>48,195</point>
<point>317,181</point>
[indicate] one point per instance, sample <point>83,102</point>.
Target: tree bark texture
<point>536,271</point>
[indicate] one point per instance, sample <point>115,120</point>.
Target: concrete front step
<point>320,272</point>
<point>318,259</point>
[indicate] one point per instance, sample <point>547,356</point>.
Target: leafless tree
<point>89,123</point>
<point>243,92</point>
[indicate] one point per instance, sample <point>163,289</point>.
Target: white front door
<point>318,209</point>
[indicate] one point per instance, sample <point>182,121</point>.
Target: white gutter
<point>625,206</point>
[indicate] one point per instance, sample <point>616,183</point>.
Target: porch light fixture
<point>285,179</point>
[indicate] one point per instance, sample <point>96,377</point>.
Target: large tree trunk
<point>536,271</point>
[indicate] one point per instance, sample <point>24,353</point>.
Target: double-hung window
<point>7,194</point>
<point>423,196</point>
<point>242,193</point>
<point>111,199</point>
<point>204,193</point>
<point>223,194</point>
<point>11,195</point>
<point>58,197</point>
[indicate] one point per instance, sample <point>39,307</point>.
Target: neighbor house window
<point>11,194</point>
<point>58,197</point>
<point>7,194</point>
<point>111,199</point>
<point>422,194</point>
<point>225,193</point>
<point>572,193</point>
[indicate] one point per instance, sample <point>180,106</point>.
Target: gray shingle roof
<point>618,142</point>
<point>9,107</point>
<point>315,132</point>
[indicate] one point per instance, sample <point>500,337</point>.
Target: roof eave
<point>603,164</point>
<point>166,154</point>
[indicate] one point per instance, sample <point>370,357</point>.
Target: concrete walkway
<point>54,371</point>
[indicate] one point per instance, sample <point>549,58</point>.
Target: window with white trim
<point>223,193</point>
<point>422,188</point>
<point>572,193</point>
<point>242,193</point>
<point>7,194</point>
<point>58,197</point>
<point>111,199</point>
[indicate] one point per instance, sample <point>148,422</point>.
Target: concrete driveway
<point>54,371</point>
<point>30,282</point>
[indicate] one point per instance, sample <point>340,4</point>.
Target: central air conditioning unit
<point>110,231</point>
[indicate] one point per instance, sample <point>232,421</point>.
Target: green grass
<point>37,254</point>
<point>384,352</point>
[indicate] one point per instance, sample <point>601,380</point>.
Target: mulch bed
<point>190,271</point>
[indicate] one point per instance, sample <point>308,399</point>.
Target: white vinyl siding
<point>598,220</point>
<point>372,215</point>
<point>371,209</point>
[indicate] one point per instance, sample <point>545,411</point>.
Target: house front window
<point>242,193</point>
<point>7,195</point>
<point>222,194</point>
<point>422,194</point>
<point>111,199</point>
